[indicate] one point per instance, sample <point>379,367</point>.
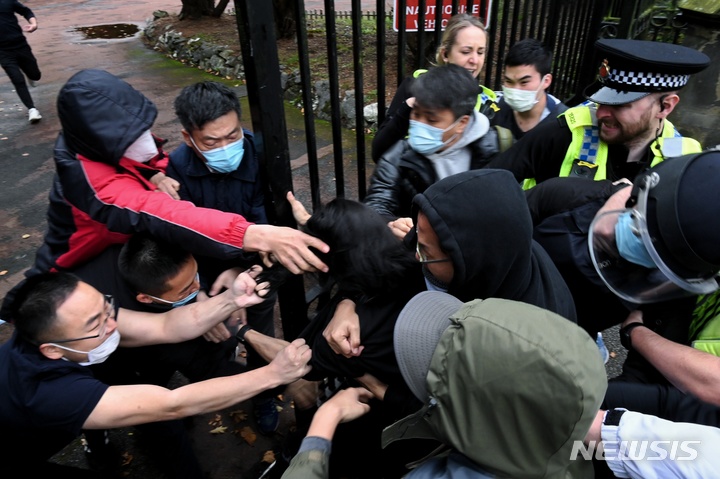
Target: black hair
<point>203,102</point>
<point>447,87</point>
<point>35,306</point>
<point>147,263</point>
<point>530,52</point>
<point>365,257</point>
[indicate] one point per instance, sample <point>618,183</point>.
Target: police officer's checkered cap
<point>653,81</point>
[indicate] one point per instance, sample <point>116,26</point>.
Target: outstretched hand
<point>298,209</point>
<point>288,246</point>
<point>344,406</point>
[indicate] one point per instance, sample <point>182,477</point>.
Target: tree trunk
<point>284,13</point>
<point>194,9</point>
<point>220,8</point>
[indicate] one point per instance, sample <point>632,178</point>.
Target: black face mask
<point>432,283</point>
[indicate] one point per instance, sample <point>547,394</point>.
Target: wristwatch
<point>240,335</point>
<point>625,338</point>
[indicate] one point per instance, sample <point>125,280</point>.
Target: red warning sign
<point>412,13</point>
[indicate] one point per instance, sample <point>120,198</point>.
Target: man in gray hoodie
<point>446,136</point>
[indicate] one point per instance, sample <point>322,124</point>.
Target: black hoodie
<point>483,222</point>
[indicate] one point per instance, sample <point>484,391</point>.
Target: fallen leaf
<point>268,457</point>
<point>249,435</point>
<point>25,236</point>
<point>127,458</point>
<point>219,430</point>
<point>3,272</point>
<point>216,421</point>
<point>238,415</point>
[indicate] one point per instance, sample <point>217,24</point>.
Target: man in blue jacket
<point>217,168</point>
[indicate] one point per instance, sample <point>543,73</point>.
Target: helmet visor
<point>625,258</point>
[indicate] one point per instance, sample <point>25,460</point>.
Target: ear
<point>186,138</point>
<point>667,105</point>
<point>462,124</point>
<point>143,298</point>
<point>50,351</point>
<point>547,81</point>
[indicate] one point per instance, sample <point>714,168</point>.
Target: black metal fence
<point>569,27</point>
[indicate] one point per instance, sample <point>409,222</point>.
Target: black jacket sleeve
<point>396,124</point>
<point>538,154</point>
<point>384,194</point>
<point>558,195</point>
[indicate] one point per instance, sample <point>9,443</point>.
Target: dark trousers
<point>17,61</point>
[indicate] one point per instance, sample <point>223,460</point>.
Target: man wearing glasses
<point>474,239</point>
<point>64,325</point>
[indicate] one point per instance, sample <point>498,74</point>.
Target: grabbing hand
<point>217,334</point>
<point>166,184</point>
<point>401,227</point>
<point>244,287</point>
<point>289,246</point>
<point>298,209</point>
<point>374,385</point>
<point>344,406</point>
<point>343,331</point>
<point>224,281</point>
<point>349,404</point>
<point>291,363</point>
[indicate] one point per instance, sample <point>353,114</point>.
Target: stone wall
<point>196,52</point>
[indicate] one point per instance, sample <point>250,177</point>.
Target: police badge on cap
<point>632,69</point>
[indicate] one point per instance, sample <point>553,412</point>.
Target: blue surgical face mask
<point>426,139</point>
<point>178,303</point>
<point>224,159</point>
<point>629,245</point>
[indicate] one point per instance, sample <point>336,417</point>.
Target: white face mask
<point>99,354</point>
<point>143,150</point>
<point>521,100</point>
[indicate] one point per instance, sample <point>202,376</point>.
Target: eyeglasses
<point>109,311</point>
<point>423,259</point>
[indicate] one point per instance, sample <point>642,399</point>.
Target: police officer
<point>623,129</point>
<point>650,247</point>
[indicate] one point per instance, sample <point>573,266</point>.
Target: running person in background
<point>16,56</point>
